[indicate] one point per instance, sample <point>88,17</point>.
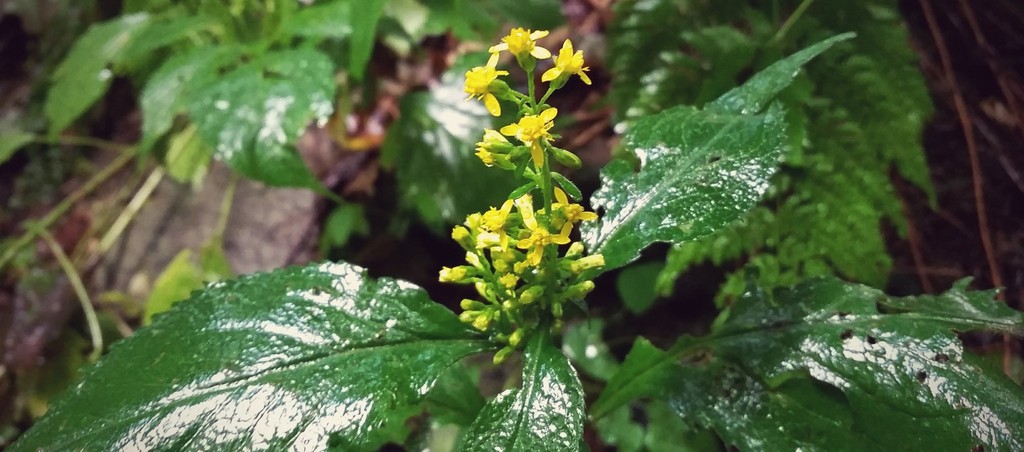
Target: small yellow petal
<point>587,216</point>
<point>561,239</point>
<point>538,34</point>
<point>493,60</point>
<point>566,229</point>
<point>549,114</point>
<point>550,74</point>
<point>583,76</point>
<point>560,196</point>
<point>497,48</point>
<point>540,53</point>
<point>491,102</point>
<point>538,154</point>
<point>510,130</point>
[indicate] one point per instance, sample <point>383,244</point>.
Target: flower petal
<point>549,114</point>
<point>540,53</point>
<point>510,130</point>
<point>491,102</point>
<point>551,74</point>
<point>560,196</point>
<point>538,34</point>
<point>537,154</point>
<point>583,76</point>
<point>497,48</point>
<point>493,60</point>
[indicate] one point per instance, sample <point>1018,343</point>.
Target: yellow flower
<point>530,130</point>
<point>567,63</point>
<point>478,84</point>
<point>492,142</point>
<point>521,42</point>
<point>508,280</point>
<point>539,235</point>
<point>493,221</point>
<point>573,213</point>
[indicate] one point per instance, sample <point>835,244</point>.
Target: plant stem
<point>225,207</point>
<point>546,94</point>
<point>799,11</point>
<point>79,288</point>
<point>132,209</point>
<point>64,205</point>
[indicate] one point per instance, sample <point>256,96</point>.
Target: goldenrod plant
<point>323,357</point>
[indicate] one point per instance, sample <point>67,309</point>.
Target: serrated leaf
<point>85,73</point>
<point>289,359</point>
<point>546,413</point>
<point>432,145</point>
<point>253,114</point>
<point>164,95</point>
<point>824,363</point>
<point>699,171</point>
<point>755,95</point>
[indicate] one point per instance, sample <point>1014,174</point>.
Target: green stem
<point>79,288</point>
<point>225,206</point>
<point>132,209</point>
<point>529,86</point>
<point>799,11</point>
<point>547,94</point>
<point>66,204</point>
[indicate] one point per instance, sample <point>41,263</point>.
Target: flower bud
<point>531,294</point>
<point>579,290</point>
<point>461,235</point>
<point>474,260</point>
<point>468,316</point>
<point>587,263</point>
<point>516,337</point>
<point>575,250</point>
<point>471,305</point>
<point>458,274</point>
<point>483,320</point>
<point>566,158</point>
<point>503,354</point>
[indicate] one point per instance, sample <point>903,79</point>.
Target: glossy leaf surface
<point>699,170</point>
<point>164,95</point>
<point>546,413</point>
<point>835,366</point>
<point>289,359</point>
<point>85,73</point>
<point>431,148</point>
<point>253,114</point>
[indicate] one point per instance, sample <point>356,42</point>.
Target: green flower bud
<point>502,355</point>
<point>566,158</point>
<point>516,337</point>
<point>575,250</point>
<point>579,290</point>
<point>587,263</point>
<point>531,294</point>
<point>471,305</point>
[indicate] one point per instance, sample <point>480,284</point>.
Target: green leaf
<point>85,73</point>
<point>432,145</point>
<point>546,413</point>
<point>174,284</point>
<point>455,399</point>
<point>636,285</point>
<point>364,32</point>
<point>755,95</point>
<point>253,114</point>
<point>330,19</point>
<point>11,141</point>
<point>159,34</point>
<point>296,358</point>
<point>822,362</point>
<point>699,169</point>
<point>165,94</point>
<point>344,221</point>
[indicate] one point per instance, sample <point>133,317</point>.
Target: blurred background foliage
<point>145,137</point>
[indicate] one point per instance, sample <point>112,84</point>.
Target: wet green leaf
<point>85,73</point>
<point>830,365</point>
<point>432,145</point>
<point>699,169</point>
<point>253,114</point>
<point>455,399</point>
<point>290,359</point>
<point>546,413</point>
<point>165,93</point>
<point>330,19</point>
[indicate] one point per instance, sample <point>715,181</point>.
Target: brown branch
<point>972,152</point>
<point>1001,80</point>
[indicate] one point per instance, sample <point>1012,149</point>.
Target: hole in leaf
<point>846,334</point>
<point>942,358</point>
<point>922,376</point>
<point>714,158</point>
<point>872,340</point>
<point>978,448</point>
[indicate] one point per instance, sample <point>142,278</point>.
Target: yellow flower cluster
<point>514,253</point>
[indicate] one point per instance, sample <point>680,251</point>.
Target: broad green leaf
<point>11,141</point>
<point>364,33</point>
<point>755,95</point>
<point>456,398</point>
<point>164,95</point>
<point>326,19</point>
<point>837,366</point>
<point>652,427</point>
<point>636,285</point>
<point>85,73</point>
<point>175,283</point>
<point>699,169</point>
<point>432,145</point>
<point>343,222</point>
<point>160,34</point>
<point>253,114</point>
<point>293,359</point>
<point>546,413</point>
